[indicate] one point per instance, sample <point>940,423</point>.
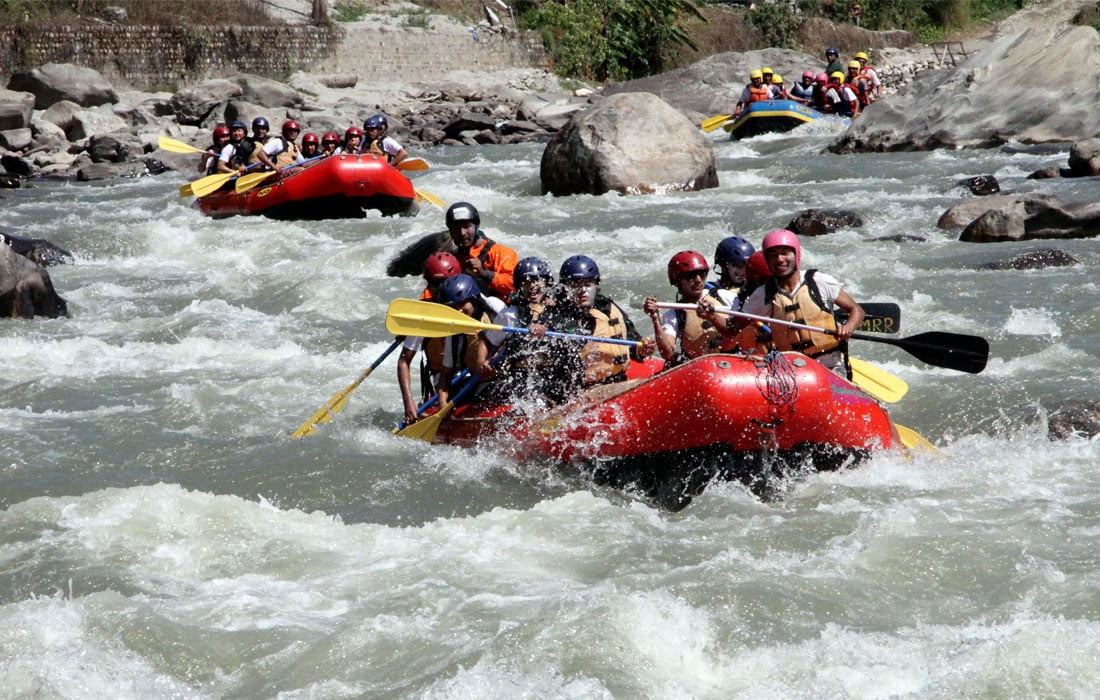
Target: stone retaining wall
<point>383,55</point>
<point>169,58</point>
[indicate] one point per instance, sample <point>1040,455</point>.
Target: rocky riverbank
<point>67,121</point>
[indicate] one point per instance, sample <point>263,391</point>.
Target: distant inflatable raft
<point>337,187</point>
<point>770,116</point>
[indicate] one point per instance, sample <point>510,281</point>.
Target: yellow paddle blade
<point>413,164</point>
<point>877,382</point>
<point>186,191</point>
<point>175,146</point>
<point>247,182</point>
<point>915,441</point>
<point>422,196</point>
<point>712,123</point>
<point>427,319</point>
<point>211,183</point>
<point>427,428</point>
<point>325,413</point>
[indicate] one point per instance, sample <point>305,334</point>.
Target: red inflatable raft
<point>718,416</point>
<point>337,187</point>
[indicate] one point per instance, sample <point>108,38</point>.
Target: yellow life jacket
<point>289,155</point>
<point>696,337</point>
<point>805,307</point>
<point>375,147</point>
<point>604,360</point>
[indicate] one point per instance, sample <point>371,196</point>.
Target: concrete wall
<point>169,58</point>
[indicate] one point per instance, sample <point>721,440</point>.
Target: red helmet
<point>220,131</point>
<point>353,131</point>
<point>311,137</point>
<point>781,237</point>
<point>440,266</point>
<point>331,137</point>
<point>290,125</point>
<point>756,269</point>
<point>686,261</point>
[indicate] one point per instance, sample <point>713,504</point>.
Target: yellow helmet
<point>756,74</point>
<point>861,56</point>
<point>767,70</point>
<point>855,64</point>
<point>838,75</point>
<point>777,79</point>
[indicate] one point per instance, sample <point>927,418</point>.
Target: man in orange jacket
<point>488,262</point>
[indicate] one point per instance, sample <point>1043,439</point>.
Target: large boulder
<point>266,92</point>
<point>630,143</point>
<point>1003,92</point>
<point>16,109</point>
<point>92,122</point>
<point>1025,219</point>
<point>64,81</point>
<point>25,288</point>
<point>194,104</point>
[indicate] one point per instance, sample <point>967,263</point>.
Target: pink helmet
<point>808,74</point>
<point>781,237</point>
<point>822,78</point>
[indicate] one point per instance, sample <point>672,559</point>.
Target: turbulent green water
<point>161,537</point>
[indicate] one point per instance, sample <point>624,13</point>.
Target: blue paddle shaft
<point>589,338</point>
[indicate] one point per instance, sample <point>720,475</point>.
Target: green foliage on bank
<point>610,39</point>
<point>624,39</point>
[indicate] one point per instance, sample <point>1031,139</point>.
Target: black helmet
<point>733,249</point>
<point>458,289</point>
<point>579,267</point>
<point>532,268</point>
<point>462,211</point>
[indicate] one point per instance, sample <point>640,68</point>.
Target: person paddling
<point>208,164</point>
<point>377,142</point>
<point>808,298</point>
<point>683,334</point>
<point>438,268</point>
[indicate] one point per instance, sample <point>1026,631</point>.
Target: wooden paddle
<point>340,399</point>
<point>877,382</point>
<point>712,123</point>
<point>964,353</point>
<point>413,164</point>
<point>430,320</point>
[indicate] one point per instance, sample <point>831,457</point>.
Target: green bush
<point>776,24</point>
<point>610,39</point>
<point>348,11</point>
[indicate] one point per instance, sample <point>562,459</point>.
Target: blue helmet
<point>458,289</point>
<point>832,50</point>
<point>238,125</point>
<point>532,268</point>
<point>260,123</point>
<point>579,267</point>
<point>378,121</point>
<point>733,249</point>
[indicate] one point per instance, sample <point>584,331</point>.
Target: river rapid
<point>160,536</point>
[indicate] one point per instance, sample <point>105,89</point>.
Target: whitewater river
<point>160,536</point>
